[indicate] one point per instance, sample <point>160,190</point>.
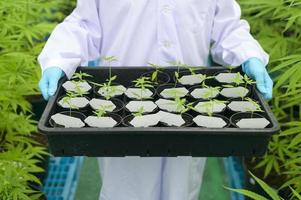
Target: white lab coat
<point>155,31</point>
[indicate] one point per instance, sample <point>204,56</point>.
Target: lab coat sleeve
<point>231,41</point>
<point>74,41</point>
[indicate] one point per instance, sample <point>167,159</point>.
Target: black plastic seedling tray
<point>153,141</point>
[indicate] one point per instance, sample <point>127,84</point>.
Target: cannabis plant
<point>273,195</point>
<point>108,87</point>
<point>181,105</point>
<point>102,111</point>
<point>24,26</point>
<point>68,100</point>
<point>208,106</point>
<point>179,65</point>
<point>143,83</point>
<point>248,81</point>
<point>154,76</point>
<point>140,112</point>
<point>276,24</point>
<point>78,91</point>
<point>238,80</point>
<point>210,90</point>
<point>80,76</point>
<point>109,60</point>
<point>255,105</point>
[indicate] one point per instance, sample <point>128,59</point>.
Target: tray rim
<point>155,130</point>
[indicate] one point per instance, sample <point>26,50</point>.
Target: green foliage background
<point>24,26</point>
<point>277,25</point>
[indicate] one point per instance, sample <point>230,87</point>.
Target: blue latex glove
<point>255,69</point>
<point>49,81</point>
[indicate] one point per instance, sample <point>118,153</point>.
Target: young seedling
<point>178,64</point>
<point>139,112</point>
<point>80,76</point>
<point>78,82</point>
<point>181,65</point>
<point>110,90</point>
<point>238,80</point>
<point>211,91</point>
<point>109,60</point>
<point>202,77</point>
<point>78,90</point>
<point>100,112</point>
<point>248,81</point>
<point>101,120</point>
<point>255,105</point>
<point>182,106</point>
<point>175,93</point>
<point>143,83</point>
<point>67,100</point>
<point>154,75</point>
<point>209,105</point>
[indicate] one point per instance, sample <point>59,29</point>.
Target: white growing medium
<point>234,92</point>
<point>108,105</point>
<point>209,122</point>
<point>174,92</point>
<point>204,93</point>
<point>253,123</point>
<point>67,121</point>
<point>112,91</point>
<point>100,122</point>
<point>138,93</point>
<point>213,108</point>
<point>227,77</point>
<point>71,86</point>
<point>145,120</point>
<point>192,79</point>
<point>169,105</point>
<point>134,106</point>
<point>171,119</point>
<point>242,106</point>
<point>77,102</point>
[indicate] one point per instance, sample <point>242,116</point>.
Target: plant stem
<point>110,72</point>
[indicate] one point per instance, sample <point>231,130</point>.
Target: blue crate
<point>235,170</point>
<point>62,177</point>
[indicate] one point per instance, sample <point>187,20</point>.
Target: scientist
<point>193,32</point>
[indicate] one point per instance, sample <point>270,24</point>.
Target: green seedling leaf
<point>143,83</point>
<point>255,104</point>
<point>154,75</point>
<point>140,112</point>
<point>238,79</point>
<point>80,76</point>
<point>113,78</point>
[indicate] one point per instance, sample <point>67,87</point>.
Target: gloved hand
<point>255,69</point>
<point>49,81</point>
